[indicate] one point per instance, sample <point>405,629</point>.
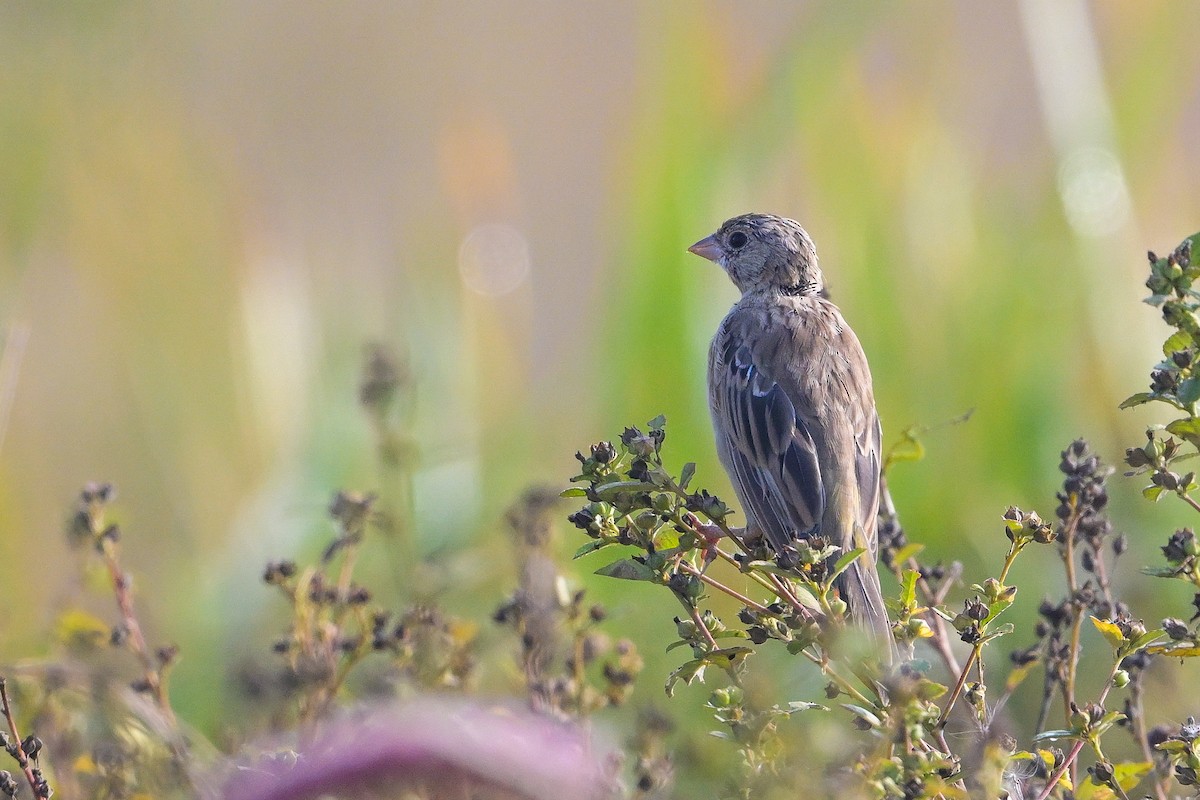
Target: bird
<point>793,408</point>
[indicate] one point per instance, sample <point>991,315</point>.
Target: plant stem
<point>941,636</point>
<point>1138,723</point>
<point>1187,498</point>
<point>976,650</point>
<point>1076,611</point>
<point>1058,773</point>
<point>1070,759</point>
<point>694,613</point>
<point>842,683</point>
<point>741,598</point>
<point>22,759</point>
<point>958,686</point>
<point>754,576</point>
<point>151,673</point>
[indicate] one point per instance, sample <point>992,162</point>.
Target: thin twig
<point>1188,499</point>
<point>941,638</point>
<point>774,584</point>
<point>842,683</point>
<point>1116,786</point>
<point>736,595</point>
<point>1058,773</point>
<point>696,618</point>
<point>22,759</point>
<point>1138,723</point>
<point>1070,759</point>
<point>976,650</point>
<point>137,640</point>
<point>1076,611</point>
<point>754,576</point>
<point>958,686</point>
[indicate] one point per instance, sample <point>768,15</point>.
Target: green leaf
<point>909,448</point>
<point>608,491</point>
<point>656,560</point>
<point>997,608</point>
<point>1173,746</point>
<point>772,568</point>
<point>658,423</point>
<point>1110,632</point>
<point>798,645</point>
<point>948,616</point>
<point>685,477</point>
<point>732,633</point>
<point>908,551</point>
<point>908,588</point>
<point>997,632</point>
<point>729,659</point>
<point>1175,650</point>
<point>1161,572</point>
<point>1189,390</point>
<point>1146,639</point>
<point>863,714</point>
<point>666,538</point>
<point>574,491</point>
<point>1153,493</point>
<point>1179,340</point>
<point>806,598</point>
<point>687,672</point>
<point>1054,734</point>
<point>1136,400</point>
<point>1017,676</point>
<point>629,570</point>
<point>1106,722</point>
<point>1189,427</point>
<point>590,547</point>
<point>930,690</point>
<point>1089,789</point>
<point>844,563</point>
<point>1129,773</point>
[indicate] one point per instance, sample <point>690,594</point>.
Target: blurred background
<point>207,211</point>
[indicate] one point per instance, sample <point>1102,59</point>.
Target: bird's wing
<point>868,443</point>
<point>768,448</point>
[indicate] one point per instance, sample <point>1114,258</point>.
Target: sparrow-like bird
<point>792,407</point>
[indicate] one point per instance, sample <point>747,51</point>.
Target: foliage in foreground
<point>905,711</point>
<point>929,722</point>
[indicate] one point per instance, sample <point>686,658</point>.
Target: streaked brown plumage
<point>792,405</point>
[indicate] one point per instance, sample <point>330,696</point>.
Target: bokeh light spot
<point>1093,191</point>
<point>494,259</point>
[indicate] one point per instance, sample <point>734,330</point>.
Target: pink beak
<point>707,248</point>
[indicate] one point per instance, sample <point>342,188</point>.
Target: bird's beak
<point>707,248</point>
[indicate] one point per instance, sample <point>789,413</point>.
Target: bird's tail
<point>859,587</point>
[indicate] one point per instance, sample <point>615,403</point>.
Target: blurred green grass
<point>218,393</point>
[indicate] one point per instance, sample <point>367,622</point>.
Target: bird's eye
<point>737,240</point>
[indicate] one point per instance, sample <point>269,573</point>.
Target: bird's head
<point>761,252</point>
